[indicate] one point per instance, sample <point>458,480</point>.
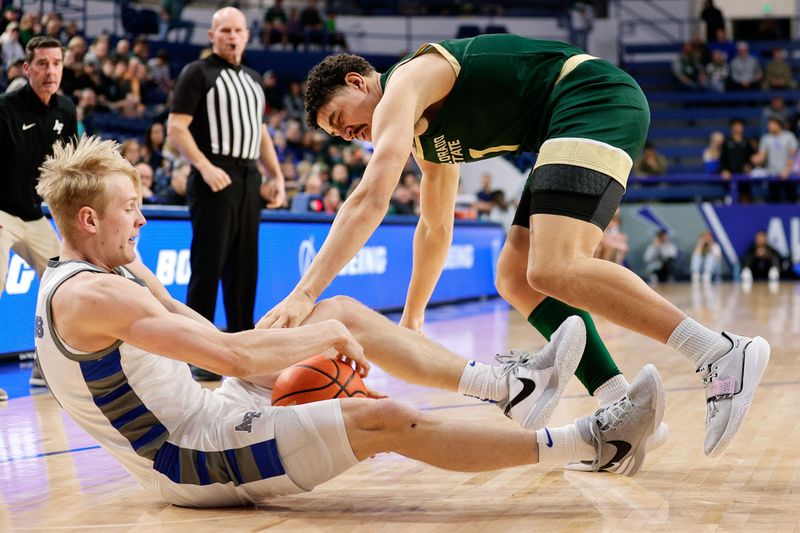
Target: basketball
<point>315,379</point>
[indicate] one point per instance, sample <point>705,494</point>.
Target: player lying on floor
<point>113,346</point>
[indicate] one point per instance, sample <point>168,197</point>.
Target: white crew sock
<point>563,445</point>
<point>612,390</point>
<point>697,343</point>
<point>479,380</point>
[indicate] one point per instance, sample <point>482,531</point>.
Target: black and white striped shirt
<point>227,106</point>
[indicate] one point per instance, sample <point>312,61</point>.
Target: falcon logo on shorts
<point>247,421</point>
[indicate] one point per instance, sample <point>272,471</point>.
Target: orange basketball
<point>315,379</point>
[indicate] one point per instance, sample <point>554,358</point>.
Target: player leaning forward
<point>113,346</point>
<point>470,99</point>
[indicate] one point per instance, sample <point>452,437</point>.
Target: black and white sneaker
<point>537,380</point>
<point>620,431</point>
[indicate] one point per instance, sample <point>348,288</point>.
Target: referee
<point>31,120</point>
<point>216,121</point>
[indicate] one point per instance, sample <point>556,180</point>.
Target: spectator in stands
<point>336,39</point>
<point>761,261</point>
<point>12,50</point>
<point>340,178</point>
<point>70,30</point>
<point>745,69</point>
<point>99,50</point>
<point>29,27</point>
<point>723,44</point>
<point>77,46</point>
<point>402,202</point>
<point>483,198</point>
<point>713,152</point>
<point>158,67</point>
<point>713,19</point>
<point>502,212</point>
<point>172,19</point>
<point>778,72</point>
<point>776,152</point>
<point>293,102</point>
<point>688,69</point>
<point>131,150</point>
<point>14,77</point>
<point>718,72</point>
<point>580,20</point>
<point>312,25</point>
<point>122,50</point>
<point>54,26</point>
<point>650,162</point>
<point>614,244</point>
<point>274,29</point>
<point>87,101</point>
<point>331,200</point>
<point>706,259</point>
<point>776,109</point>
<point>146,176</point>
<point>661,258</point>
<point>141,49</point>
<point>410,180</point>
<point>736,153</point>
<point>273,96</point>
<point>153,147</point>
<point>10,14</point>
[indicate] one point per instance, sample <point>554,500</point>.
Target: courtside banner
<point>734,226</point>
<point>378,276</point>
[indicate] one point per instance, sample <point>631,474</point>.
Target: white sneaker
<point>537,380</point>
<point>619,432</point>
<point>654,442</point>
<point>730,384</point>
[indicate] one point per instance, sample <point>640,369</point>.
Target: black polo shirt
<point>227,105</point>
<point>28,130</point>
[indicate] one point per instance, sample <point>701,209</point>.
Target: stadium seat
<point>468,30</point>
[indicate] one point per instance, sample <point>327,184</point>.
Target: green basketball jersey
<point>499,103</point>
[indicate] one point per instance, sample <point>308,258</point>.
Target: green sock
<point>596,366</point>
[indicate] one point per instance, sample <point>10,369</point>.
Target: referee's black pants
<point>225,243</point>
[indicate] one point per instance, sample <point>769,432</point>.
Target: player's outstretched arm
<point>432,238</point>
<point>415,86</point>
<point>91,311</point>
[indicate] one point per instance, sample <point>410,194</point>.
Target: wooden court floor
<point>54,477</point>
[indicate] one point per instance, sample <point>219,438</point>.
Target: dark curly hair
<point>326,78</point>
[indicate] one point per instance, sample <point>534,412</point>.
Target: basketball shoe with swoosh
<point>730,383</point>
<point>619,432</point>
<point>537,380</point>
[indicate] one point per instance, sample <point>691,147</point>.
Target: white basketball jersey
<point>148,412</point>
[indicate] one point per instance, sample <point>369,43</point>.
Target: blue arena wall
<point>378,276</point>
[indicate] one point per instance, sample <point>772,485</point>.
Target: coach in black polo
<point>216,122</point>
<point>31,120</point>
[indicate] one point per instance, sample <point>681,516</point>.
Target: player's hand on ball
<point>289,313</point>
<point>346,348</point>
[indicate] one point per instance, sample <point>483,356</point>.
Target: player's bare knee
<point>381,415</point>
<point>547,277</point>
<point>342,308</point>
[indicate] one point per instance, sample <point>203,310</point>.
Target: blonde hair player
<point>113,346</point>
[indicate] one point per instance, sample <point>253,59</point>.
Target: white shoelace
<point>606,419</point>
<point>509,362</point>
